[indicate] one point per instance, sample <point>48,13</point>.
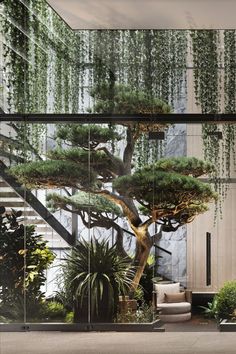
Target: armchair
<point>173,304</point>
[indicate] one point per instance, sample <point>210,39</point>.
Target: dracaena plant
<point>95,274</point>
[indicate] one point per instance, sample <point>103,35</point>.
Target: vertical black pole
<point>208,258</point>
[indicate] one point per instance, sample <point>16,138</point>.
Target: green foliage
<point>69,317</point>
<point>189,166</point>
<point>144,314</point>
<point>122,99</point>
<point>226,300</point>
<point>52,54</point>
<point>105,165</point>
<point>210,85</point>
<point>84,135</point>
<point>15,311</point>
<point>84,201</point>
<point>53,310</point>
<point>52,173</point>
<point>24,257</point>
<point>160,190</point>
<point>211,309</point>
<point>94,270</point>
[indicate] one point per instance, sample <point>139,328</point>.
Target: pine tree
<point>166,192</point>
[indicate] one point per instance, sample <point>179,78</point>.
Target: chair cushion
<point>162,289</point>
<point>178,297</point>
<point>174,308</point>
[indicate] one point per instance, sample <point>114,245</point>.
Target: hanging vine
<point>39,62</point>
<point>207,87</point>
<point>151,60</point>
<point>229,130</point>
<point>210,69</point>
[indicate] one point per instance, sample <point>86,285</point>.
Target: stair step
<point>45,229</point>
<point>25,213</point>
<point>3,184</point>
<point>11,200</point>
<point>6,189</point>
<point>12,204</point>
<point>8,194</point>
<point>30,221</point>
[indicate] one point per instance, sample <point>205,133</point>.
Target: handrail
<point>159,247</point>
<point>162,249</point>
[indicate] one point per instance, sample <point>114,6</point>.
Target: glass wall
<point>105,212</point>
<point>100,213</point>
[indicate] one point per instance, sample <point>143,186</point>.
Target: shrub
<point>94,273</point>
<point>144,314</point>
<point>226,300</point>
<point>24,257</point>
<point>54,310</point>
<point>69,317</point>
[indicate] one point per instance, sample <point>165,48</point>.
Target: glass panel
<point>101,210</point>
<point>12,229</point>
<point>55,203</point>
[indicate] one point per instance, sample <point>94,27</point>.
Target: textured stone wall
<point>174,266</point>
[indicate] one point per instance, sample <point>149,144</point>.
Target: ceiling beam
<point>175,118</point>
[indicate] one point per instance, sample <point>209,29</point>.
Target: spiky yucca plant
<point>96,275</point>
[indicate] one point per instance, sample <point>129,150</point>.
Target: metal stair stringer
<point>35,204</point>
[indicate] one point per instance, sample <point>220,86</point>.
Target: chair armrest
<point>188,294</point>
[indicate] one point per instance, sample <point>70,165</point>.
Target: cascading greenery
<point>214,84</point>
<point>38,47</point>
<point>151,60</point>
<point>50,69</point>
<point>206,71</point>
<point>229,130</point>
<point>40,62</point>
<point>156,61</point>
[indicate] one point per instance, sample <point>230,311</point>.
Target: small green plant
<point>144,314</point>
<point>226,300</point>
<point>69,317</point>
<point>210,310</point>
<point>54,310</point>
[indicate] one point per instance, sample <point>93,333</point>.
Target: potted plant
<point>95,276</point>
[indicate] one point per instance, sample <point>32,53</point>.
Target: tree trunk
<point>143,247</point>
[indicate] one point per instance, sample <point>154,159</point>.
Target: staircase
<point>11,200</point>
<point>14,196</point>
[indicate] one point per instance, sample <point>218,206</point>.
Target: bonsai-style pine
<point>109,187</point>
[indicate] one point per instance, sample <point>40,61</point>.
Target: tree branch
<point>127,206</point>
<point>128,152</point>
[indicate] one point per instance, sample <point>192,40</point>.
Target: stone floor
<point>197,324</point>
<point>117,343</point>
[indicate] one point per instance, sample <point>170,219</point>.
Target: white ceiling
<point>153,14</point>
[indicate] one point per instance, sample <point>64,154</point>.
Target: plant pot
<point>126,305</point>
<point>227,326</point>
<point>83,313</point>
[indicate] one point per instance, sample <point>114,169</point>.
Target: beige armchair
<point>173,304</point>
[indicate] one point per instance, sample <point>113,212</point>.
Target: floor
<point>200,335</point>
<point>197,324</point>
<point>117,343</point>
